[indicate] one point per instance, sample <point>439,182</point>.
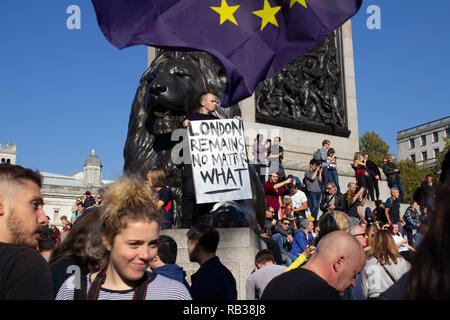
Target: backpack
<point>317,156</point>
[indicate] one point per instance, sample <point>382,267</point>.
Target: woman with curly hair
<point>384,265</point>
<point>130,224</point>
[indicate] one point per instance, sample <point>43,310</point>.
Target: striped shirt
<point>161,288</point>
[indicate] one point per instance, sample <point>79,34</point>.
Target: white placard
<point>219,160</point>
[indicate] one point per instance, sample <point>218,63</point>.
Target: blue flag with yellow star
<point>253,39</point>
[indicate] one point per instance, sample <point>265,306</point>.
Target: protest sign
<point>219,160</point>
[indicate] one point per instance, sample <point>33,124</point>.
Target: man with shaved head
<point>24,274</point>
<point>331,270</point>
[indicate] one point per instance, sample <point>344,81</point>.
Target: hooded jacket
<point>172,271</point>
<point>376,278</point>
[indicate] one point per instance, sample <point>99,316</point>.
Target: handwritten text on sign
<point>219,160</point>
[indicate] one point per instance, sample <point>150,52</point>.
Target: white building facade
<point>423,143</point>
<point>8,153</point>
<point>60,192</point>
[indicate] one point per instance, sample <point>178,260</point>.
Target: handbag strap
<point>388,273</point>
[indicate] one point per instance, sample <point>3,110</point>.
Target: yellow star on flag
<point>302,2</point>
<point>226,12</point>
<point>267,14</point>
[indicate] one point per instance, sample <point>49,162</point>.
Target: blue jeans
<point>314,203</point>
<point>409,234</point>
<point>399,185</point>
<point>333,176</point>
<point>290,259</point>
<point>325,178</point>
<point>400,228</point>
<point>278,238</point>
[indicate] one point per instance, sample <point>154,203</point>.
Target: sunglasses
<point>285,223</point>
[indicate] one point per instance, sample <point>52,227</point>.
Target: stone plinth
<point>300,145</point>
<point>237,249</point>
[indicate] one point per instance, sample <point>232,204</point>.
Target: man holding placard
<point>189,208</point>
<point>191,205</point>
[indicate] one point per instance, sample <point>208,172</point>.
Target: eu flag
<point>252,39</point>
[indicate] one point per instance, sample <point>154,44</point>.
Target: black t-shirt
<point>299,284</point>
<point>394,209</point>
<point>275,150</point>
<point>24,274</point>
<point>380,215</point>
<point>352,211</point>
<point>199,116</point>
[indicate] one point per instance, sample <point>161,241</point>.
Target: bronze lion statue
<point>168,90</point>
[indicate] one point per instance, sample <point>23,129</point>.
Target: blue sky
<point>64,92</point>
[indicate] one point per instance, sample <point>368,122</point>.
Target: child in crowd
<point>156,181</point>
<point>287,211</point>
<point>66,224</point>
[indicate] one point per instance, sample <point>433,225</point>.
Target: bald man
<point>331,270</point>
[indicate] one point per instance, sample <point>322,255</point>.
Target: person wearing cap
<point>89,201</point>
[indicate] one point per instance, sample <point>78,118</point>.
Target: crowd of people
<point>389,236</point>
<point>113,249</point>
<point>320,245</point>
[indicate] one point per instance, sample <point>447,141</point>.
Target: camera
<point>292,184</point>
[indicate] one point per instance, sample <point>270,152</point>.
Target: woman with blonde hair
<point>156,181</point>
<point>359,166</point>
<point>384,265</point>
<point>125,245</point>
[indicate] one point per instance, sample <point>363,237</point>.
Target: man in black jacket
<point>89,201</point>
<point>392,173</point>
<point>373,178</point>
<point>212,281</point>
<point>332,200</point>
<point>424,193</point>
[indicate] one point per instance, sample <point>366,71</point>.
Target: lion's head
<point>175,81</point>
<point>169,89</point>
